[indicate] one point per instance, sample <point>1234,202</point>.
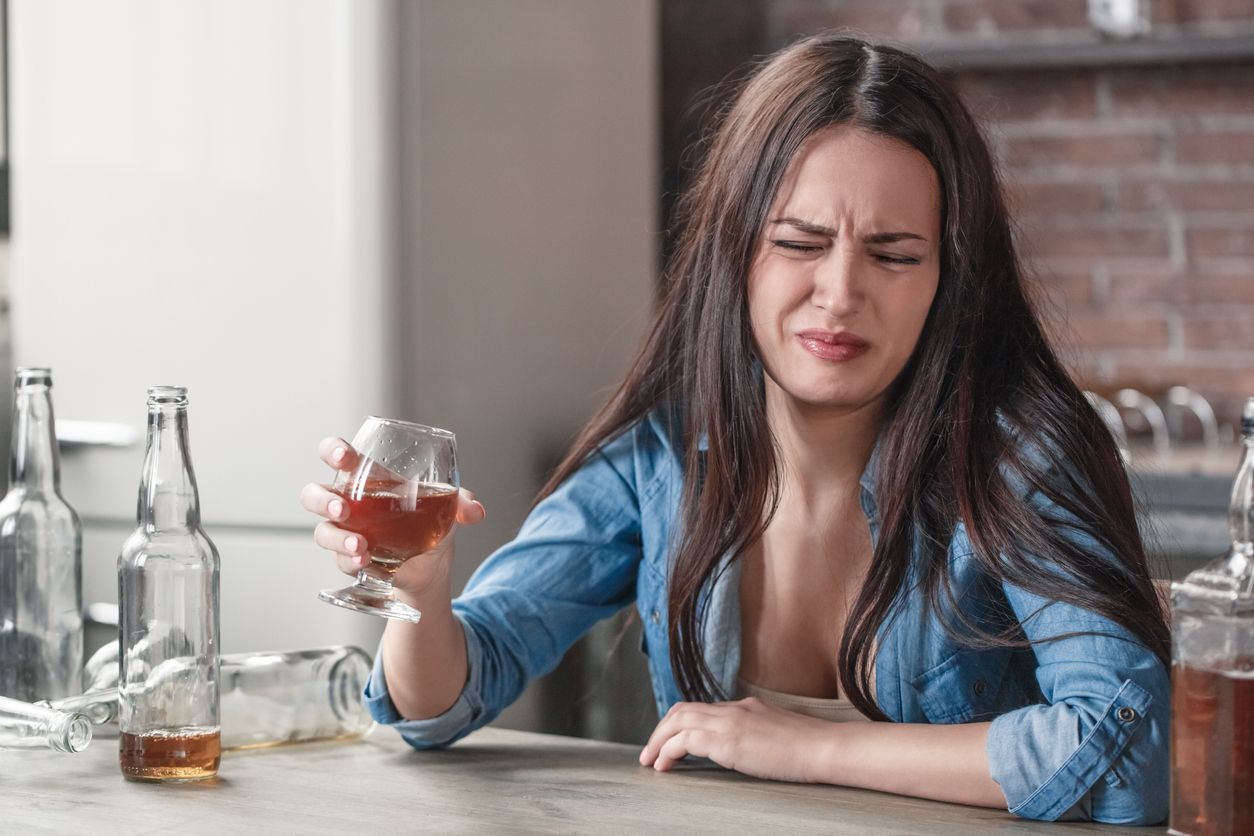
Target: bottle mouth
<point>72,733</point>
<point>167,396</point>
<point>33,376</point>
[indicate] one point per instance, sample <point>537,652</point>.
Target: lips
<point>836,346</point>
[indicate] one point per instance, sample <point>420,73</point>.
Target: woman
<point>846,477</point>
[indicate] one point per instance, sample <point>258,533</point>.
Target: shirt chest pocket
<point>968,686</point>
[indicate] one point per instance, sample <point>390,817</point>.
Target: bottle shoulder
<point>185,548</point>
<point>23,508</point>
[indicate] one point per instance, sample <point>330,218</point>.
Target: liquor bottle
<point>268,698</point>
<point>26,726</point>
<point>41,578</point>
<point>1212,711</point>
<point>168,614</point>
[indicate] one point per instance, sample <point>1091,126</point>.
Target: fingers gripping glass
<point>401,495</point>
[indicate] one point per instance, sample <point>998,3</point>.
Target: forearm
<point>940,762</point>
<point>425,663</point>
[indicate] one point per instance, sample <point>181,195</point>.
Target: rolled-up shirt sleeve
<point>573,563</point>
<point>1097,748</point>
<point>442,730</point>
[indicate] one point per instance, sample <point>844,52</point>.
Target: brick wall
<point>1133,185</point>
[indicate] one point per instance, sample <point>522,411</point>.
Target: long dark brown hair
<point>982,419</point>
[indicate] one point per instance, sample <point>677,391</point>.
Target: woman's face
<point>846,268</point>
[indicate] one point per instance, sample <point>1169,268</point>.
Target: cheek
<point>774,291</point>
<point>914,308</point>
<point>764,305</point>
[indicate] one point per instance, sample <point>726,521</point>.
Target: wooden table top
<point>495,781</point>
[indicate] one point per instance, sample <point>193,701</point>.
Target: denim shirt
<point>1079,725</point>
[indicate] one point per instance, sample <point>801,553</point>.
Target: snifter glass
<point>401,495</point>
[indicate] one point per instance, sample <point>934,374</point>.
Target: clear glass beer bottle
<point>168,715</point>
<point>41,562</point>
<point>1212,713</point>
<point>27,726</point>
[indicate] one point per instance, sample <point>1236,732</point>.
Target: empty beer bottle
<point>41,583</point>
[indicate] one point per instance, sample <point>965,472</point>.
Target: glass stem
<point>382,586</point>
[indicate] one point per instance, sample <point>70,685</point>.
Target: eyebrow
<point>873,238</point>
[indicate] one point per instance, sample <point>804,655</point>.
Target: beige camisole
<point>835,711</point>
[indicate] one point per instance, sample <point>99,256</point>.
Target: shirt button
<point>979,687</point>
<point>655,617</point>
<point>1127,714</point>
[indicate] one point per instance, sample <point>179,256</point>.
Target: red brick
<point>1199,11</point>
<point>1223,89</point>
<point>1146,284</point>
<point>1096,242</point>
<point>1188,196</point>
<point>1103,330</point>
<point>1028,97</point>
<point>981,15</point>
<point>1221,242</point>
<point>1176,288</point>
<point>1228,333</point>
<point>1034,198</point>
<point>1215,147</point>
<point>1054,297</point>
<point>1066,289</point>
<point>1082,150</point>
<point>901,19</point>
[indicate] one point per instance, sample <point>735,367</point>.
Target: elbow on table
<point>423,744</point>
<point>1140,797</point>
<point>1118,774</point>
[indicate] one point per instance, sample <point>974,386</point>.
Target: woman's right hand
<point>417,576</point>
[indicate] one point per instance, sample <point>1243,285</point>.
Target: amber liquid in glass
<point>1212,751</point>
<point>399,519</point>
<point>171,756</point>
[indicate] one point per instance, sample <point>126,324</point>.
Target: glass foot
<point>370,602</point>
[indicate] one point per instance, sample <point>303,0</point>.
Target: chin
<point>837,400</point>
<point>841,395</point>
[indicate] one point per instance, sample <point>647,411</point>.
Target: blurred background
<point>455,211</point>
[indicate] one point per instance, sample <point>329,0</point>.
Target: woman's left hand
<point>747,735</point>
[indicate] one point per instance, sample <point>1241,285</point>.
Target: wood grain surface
<point>495,781</point>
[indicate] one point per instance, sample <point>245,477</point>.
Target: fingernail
<point>338,454</point>
<point>336,507</point>
<point>360,559</point>
<point>351,544</point>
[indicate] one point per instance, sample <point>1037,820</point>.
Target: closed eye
<point>895,259</point>
<point>797,246</point>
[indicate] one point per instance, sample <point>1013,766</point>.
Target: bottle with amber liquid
<point>168,720</point>
<point>41,578</point>
<point>1212,709</point>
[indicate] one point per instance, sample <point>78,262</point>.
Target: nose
<point>838,283</point>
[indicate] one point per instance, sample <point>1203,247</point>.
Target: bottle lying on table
<point>27,726</point>
<point>267,698</point>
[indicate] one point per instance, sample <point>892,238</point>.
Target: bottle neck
<point>35,463</point>
<point>1241,508</point>
<point>168,498</point>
